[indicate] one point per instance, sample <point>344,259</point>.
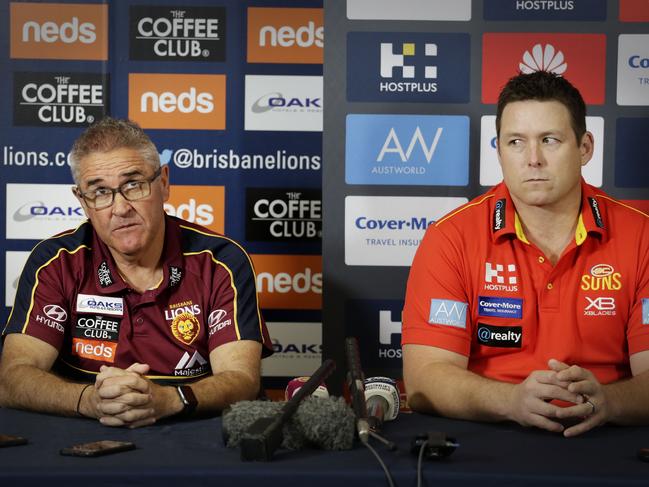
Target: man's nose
<point>121,206</point>
<point>535,155</point>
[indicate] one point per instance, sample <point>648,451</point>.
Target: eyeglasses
<point>131,191</point>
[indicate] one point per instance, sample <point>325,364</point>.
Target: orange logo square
<point>58,31</point>
<point>289,281</point>
<point>177,101</point>
<point>204,205</point>
<point>94,349</point>
<point>285,35</point>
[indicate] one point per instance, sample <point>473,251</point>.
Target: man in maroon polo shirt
<point>135,304</point>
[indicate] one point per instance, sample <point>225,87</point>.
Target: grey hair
<point>110,134</point>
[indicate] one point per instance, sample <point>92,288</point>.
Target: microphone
<point>383,402</point>
<point>264,436</point>
<point>326,423</point>
<point>355,380</point>
<point>294,385</point>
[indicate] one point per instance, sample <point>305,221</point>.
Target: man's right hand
<point>123,397</point>
<point>530,400</point>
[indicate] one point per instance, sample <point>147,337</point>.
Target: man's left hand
<point>594,410</point>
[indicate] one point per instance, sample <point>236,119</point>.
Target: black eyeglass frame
<point>90,202</point>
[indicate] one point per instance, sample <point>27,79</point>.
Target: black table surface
<point>191,453</point>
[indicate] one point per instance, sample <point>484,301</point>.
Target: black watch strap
<point>187,397</point>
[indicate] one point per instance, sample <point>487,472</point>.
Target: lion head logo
<point>185,327</point>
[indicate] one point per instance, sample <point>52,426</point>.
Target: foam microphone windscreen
<point>326,423</point>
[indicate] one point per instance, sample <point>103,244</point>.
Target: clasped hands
<point>125,397</point>
<point>531,399</point>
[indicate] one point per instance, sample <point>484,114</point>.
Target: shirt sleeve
<point>234,311</point>
<point>436,305</point>
<point>638,324</point>
<point>40,308</point>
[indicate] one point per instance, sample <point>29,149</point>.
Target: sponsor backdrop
<point>409,132</point>
<point>231,93</point>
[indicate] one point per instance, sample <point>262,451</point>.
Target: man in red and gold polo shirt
<point>531,302</point>
<point>156,315</point>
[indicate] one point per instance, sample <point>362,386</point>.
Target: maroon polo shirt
<point>72,296</point>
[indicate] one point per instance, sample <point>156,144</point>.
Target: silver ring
<point>591,405</point>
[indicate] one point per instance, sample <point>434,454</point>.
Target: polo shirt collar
<point>107,277</point>
<point>505,221</point>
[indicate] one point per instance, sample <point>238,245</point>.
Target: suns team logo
<point>185,327</point>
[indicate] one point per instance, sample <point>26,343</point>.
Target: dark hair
<point>544,86</point>
<point>109,134</point>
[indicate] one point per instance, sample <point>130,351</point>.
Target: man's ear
<point>586,148</point>
<point>164,177</point>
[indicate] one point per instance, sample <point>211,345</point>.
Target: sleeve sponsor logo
<point>54,317</point>
<point>177,101</point>
<point>285,35</point>
<point>645,311</point>
<point>88,303</point>
<point>283,214</point>
<point>94,349</point>
<point>177,33</point>
<point>59,31</point>
<point>59,99</point>
<point>494,307</point>
<point>217,321</point>
<point>97,327</point>
<point>289,281</point>
<point>579,57</point>
<point>500,336</point>
<point>448,313</point>
<point>55,312</point>
<point>602,277</point>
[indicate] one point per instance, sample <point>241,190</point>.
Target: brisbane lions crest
<point>185,327</point>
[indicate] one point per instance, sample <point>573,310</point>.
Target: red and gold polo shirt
<point>479,288</point>
<point>71,296</point>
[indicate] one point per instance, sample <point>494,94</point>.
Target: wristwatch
<point>188,399</point>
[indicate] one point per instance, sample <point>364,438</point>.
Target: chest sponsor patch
<point>645,311</point>
<point>94,349</point>
<point>97,328</point>
<point>107,305</point>
<point>500,336</point>
<point>448,313</point>
<point>495,307</point>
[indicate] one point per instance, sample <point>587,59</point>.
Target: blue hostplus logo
<point>407,150</point>
<point>545,10</point>
<point>408,66</point>
<point>645,311</point>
